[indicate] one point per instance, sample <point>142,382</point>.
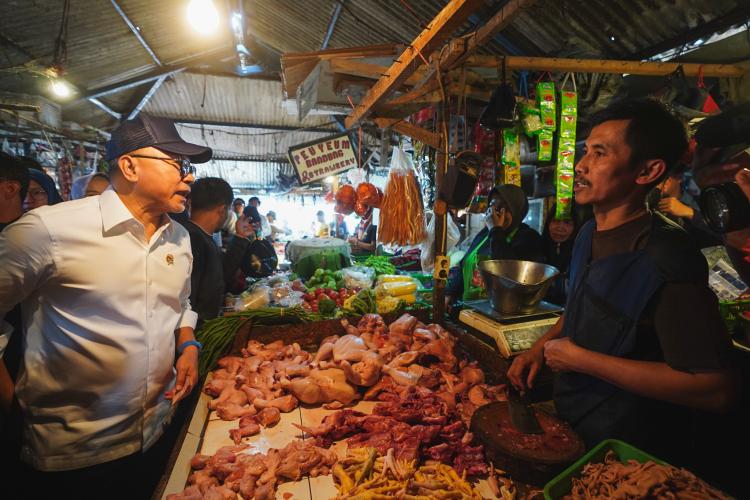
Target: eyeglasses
<point>38,194</point>
<point>184,166</point>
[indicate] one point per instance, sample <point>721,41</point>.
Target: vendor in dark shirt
<point>364,239</point>
<point>210,198</point>
<point>641,342</point>
<point>504,236</point>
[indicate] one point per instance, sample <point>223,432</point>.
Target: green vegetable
<point>381,264</point>
<point>326,306</point>
<point>363,303</point>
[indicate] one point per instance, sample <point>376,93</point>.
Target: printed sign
<point>316,160</point>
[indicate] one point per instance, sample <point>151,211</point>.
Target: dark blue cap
<point>152,131</point>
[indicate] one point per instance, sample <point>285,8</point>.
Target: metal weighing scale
<point>512,333</point>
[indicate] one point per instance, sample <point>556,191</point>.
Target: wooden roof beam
<point>648,68</point>
<point>439,30</point>
<point>415,132</point>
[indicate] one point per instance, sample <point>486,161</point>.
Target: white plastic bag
<point>427,256</point>
<point>259,297</point>
<point>358,277</point>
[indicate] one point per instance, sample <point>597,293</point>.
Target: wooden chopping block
<point>529,458</point>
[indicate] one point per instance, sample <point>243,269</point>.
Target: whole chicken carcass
<point>349,348</point>
<point>365,373</point>
<point>322,386</point>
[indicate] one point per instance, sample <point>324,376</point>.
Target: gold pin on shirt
<point>170,259</point>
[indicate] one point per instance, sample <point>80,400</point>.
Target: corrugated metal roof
<point>245,174</point>
<point>226,99</point>
<point>246,142</point>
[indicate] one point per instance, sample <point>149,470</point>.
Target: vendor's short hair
<point>252,199</point>
<point>13,168</point>
<point>653,132</point>
<point>238,201</point>
<point>209,192</point>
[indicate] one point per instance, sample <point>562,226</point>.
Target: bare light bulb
<point>61,88</point>
<point>203,16</point>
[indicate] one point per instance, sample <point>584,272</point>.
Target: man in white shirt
<point>104,284</point>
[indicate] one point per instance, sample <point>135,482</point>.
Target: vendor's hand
<point>187,374</point>
<point>525,368</point>
<point>562,355</point>
<point>498,218</point>
<point>742,177</point>
<point>675,207</point>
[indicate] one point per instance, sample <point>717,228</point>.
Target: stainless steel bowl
<point>516,286</point>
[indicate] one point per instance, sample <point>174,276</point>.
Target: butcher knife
<point>522,415</point>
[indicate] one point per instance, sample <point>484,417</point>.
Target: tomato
<point>333,295</point>
<point>309,297</point>
<point>319,292</point>
<point>343,290</point>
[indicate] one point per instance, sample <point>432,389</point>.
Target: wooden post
<point>440,214</point>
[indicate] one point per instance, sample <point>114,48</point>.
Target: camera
<point>725,207</point>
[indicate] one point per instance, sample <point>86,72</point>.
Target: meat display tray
<point>562,484</point>
<point>208,433</point>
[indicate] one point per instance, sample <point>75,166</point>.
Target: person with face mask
<point>257,260</point>
<point>558,238</point>
<point>504,236</point>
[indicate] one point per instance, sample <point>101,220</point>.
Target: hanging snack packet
<point>545,95</point>
<point>566,150</point>
<point>544,143</point>
<point>511,157</point>
<point>530,118</point>
<point>568,114</point>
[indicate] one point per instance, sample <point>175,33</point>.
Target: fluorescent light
<point>203,16</point>
<point>61,88</point>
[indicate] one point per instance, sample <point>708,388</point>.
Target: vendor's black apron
<point>605,301</point>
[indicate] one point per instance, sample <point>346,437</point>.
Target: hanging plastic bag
<point>452,235</point>
<point>401,211</point>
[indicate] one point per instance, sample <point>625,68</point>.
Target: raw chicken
<point>366,372</point>
<point>284,403</point>
<point>322,386</point>
<point>231,411</point>
<point>248,427</point>
<point>349,348</point>
<point>268,417</point>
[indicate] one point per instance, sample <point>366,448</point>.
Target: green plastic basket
<point>730,311</point>
<point>562,484</point>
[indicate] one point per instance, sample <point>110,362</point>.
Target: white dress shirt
<point>100,306</point>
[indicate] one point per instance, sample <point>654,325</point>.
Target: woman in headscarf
<point>258,260</point>
<point>504,236</point>
<point>42,191</point>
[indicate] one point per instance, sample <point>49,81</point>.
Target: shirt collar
<point>114,212</point>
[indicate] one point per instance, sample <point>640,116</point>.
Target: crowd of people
<point>113,283</point>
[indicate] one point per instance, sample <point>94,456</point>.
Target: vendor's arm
<point>697,368</point>
<point>714,391</point>
<point>526,366</point>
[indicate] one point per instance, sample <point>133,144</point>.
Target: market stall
<point>377,365</point>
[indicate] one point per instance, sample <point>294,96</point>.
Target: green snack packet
<point>545,95</point>
<point>544,143</point>
<point>530,118</point>
<point>511,147</point>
